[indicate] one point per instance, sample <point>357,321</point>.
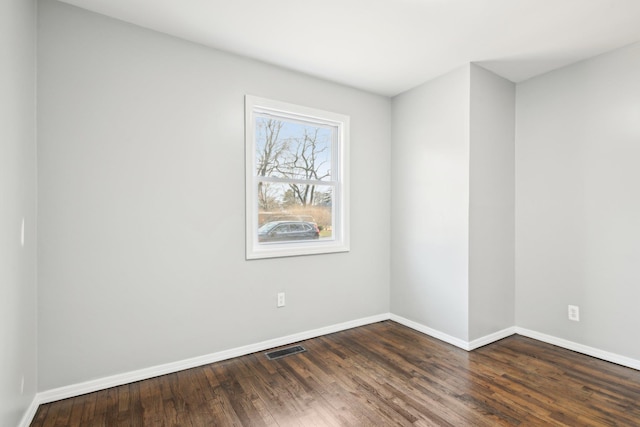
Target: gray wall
<point>17,201</point>
<point>430,204</point>
<point>141,204</point>
<point>491,204</point>
<point>578,202</point>
<point>452,210</point>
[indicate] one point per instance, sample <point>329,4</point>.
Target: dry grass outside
<point>321,215</point>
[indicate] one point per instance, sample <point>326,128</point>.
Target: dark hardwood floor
<point>382,374</point>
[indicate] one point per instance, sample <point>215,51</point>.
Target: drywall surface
<point>430,204</point>
<point>491,204</point>
<point>18,333</point>
<point>141,204</point>
<point>578,204</point>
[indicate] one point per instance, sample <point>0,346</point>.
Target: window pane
<point>293,150</point>
<point>297,192</point>
<point>299,207</point>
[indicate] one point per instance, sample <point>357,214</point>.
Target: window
<point>296,180</point>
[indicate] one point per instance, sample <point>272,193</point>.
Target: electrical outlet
<point>22,385</point>
<point>574,313</point>
<point>281,302</point>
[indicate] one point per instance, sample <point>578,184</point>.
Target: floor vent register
<point>272,355</point>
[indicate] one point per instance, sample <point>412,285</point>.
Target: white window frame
<point>340,177</point>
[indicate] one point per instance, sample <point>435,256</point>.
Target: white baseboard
<point>30,413</point>
<point>488,339</point>
<point>549,339</point>
<point>465,345</point>
<point>168,368</point>
<point>580,348</point>
<point>431,332</point>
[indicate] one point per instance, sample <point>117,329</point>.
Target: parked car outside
<point>284,231</point>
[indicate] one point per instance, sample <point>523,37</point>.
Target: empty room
<point>338,213</point>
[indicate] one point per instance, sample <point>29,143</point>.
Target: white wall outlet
<point>281,301</point>
<point>22,385</point>
<point>574,313</point>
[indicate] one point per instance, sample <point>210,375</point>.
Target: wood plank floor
<point>382,374</point>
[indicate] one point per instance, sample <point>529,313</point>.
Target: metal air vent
<point>272,355</point>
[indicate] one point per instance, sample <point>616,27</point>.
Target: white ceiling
<point>389,46</point>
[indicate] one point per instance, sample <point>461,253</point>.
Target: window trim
<point>254,250</point>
